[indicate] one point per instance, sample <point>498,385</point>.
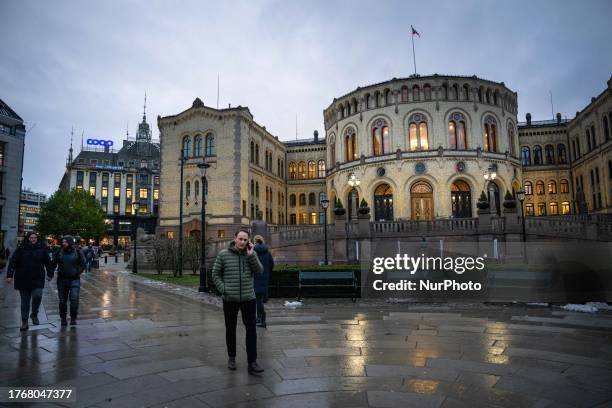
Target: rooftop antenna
<point>82,135</point>
<point>217,90</point>
<point>552,108</point>
<point>296,127</point>
<point>70,150</point>
<point>144,111</point>
<point>127,130</point>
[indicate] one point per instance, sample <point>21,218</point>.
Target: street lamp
<point>2,201</point>
<point>520,194</point>
<point>325,204</point>
<point>180,243</point>
<point>490,174</point>
<point>353,180</point>
<point>135,208</point>
<point>203,278</point>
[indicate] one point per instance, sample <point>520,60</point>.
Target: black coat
<point>29,264</point>
<point>70,263</point>
<point>262,280</point>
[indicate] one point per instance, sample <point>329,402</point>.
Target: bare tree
<point>160,254</point>
<point>191,254</point>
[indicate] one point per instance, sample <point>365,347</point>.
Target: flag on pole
<point>415,31</point>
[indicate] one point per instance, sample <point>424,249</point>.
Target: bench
<point>328,279</point>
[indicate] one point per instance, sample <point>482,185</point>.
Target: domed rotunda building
<point>423,147</point>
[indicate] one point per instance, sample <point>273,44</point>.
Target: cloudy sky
<point>88,64</point>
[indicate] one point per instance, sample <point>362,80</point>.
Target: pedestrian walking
<point>233,274</point>
<point>70,263</point>
<point>28,265</point>
<point>7,253</point>
<point>262,281</point>
<point>89,255</point>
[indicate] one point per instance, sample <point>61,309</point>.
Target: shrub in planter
<point>483,202</point>
<point>509,201</point>
<point>363,207</point>
<point>338,208</point>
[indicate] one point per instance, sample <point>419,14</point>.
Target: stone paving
<point>137,345</point>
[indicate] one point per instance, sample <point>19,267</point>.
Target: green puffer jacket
<point>233,274</point>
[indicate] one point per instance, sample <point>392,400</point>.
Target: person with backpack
<point>233,274</point>
<point>262,280</point>
<point>28,265</point>
<point>89,255</point>
<point>70,263</point>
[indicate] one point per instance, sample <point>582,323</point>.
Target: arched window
<point>302,199</point>
<point>312,169</point>
<point>552,187</point>
<point>333,153</point>
<point>564,186</point>
<point>292,171</point>
<point>539,187</point>
<point>197,146</point>
<point>257,189</point>
<point>321,168</point>
<point>404,93</point>
<point>490,134</point>
<point>186,147</point>
<point>549,153</point>
<point>488,96</point>
<point>427,92</point>
<point>187,190</point>
<point>455,91</point>
<point>456,131</point>
<point>292,201</point>
<point>606,128</point>
<point>387,94</point>
<point>383,203</point>
<point>466,92</point>
<point>528,188</point>
<point>525,156</point>
<point>210,144</point>
<point>380,138</point>
<point>256,154</point>
<point>252,188</point>
<point>561,154</point>
<point>416,93</point>
<point>350,144</point>
<point>444,91</point>
<point>417,132</point>
<point>196,189</point>
<point>312,199</point>
<point>511,139</point>
<point>252,156</point>
<point>593,137</point>
<point>588,139</point>
<point>537,155</point>
<point>302,170</point>
<point>480,94</point>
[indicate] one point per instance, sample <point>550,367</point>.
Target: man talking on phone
<point>233,273</point>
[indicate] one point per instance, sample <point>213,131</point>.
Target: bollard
<point>105,259</point>
<point>116,259</point>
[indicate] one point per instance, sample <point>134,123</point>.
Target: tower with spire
<point>144,130</point>
<point>70,150</point>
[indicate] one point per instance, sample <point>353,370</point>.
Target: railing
<point>447,226</point>
<point>556,226</point>
<point>498,225</point>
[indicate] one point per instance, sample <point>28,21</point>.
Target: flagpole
<point>413,54</point>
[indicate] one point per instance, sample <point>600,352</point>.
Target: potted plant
<point>509,201</point>
<point>363,207</point>
<point>338,208</point>
<point>483,202</point>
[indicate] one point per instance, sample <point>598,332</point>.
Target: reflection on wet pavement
<point>136,345</point>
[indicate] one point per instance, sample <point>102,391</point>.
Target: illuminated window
<point>302,170</point>
<point>552,187</point>
<point>528,188</point>
<point>565,207</point>
<point>417,134</point>
<point>321,169</point>
<point>312,169</point>
<point>156,194</point>
<point>490,135</point>
<point>92,190</point>
<point>456,132</point>
<point>143,193</point>
<point>539,187</point>
<point>541,209</point>
<point>303,218</point>
<point>313,218</point>
<point>553,209</point>
<point>380,138</point>
<point>350,144</point>
<point>529,209</point>
<point>564,186</point>
<point>104,192</point>
<point>292,170</point>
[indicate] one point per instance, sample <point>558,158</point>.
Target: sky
<point>88,64</point>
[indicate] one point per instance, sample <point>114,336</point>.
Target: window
<point>302,170</point>
<point>350,144</point>
<point>186,147</point>
<point>417,133</point>
<point>511,139</point>
<point>541,209</point>
<point>529,209</point>
<point>2,154</point>
<point>143,193</point>
<point>539,187</point>
<point>427,92</point>
<point>303,218</point>
<point>561,155</point>
<point>593,137</point>
<point>292,219</point>
<point>252,152</point>
<point>292,201</point>
<point>552,187</point>
<point>525,156</point>
<point>564,186</point>
<point>313,218</point>
<point>321,167</point>
<point>256,154</point>
<point>490,134</point>
<point>257,189</point>
<point>292,171</point>
<point>565,207</point>
<point>196,189</point>
<point>187,190</point>
<point>210,145</point>
<point>549,153</point>
<point>302,199</point>
<point>553,209</point>
<point>312,199</point>
<point>79,180</point>
<point>528,188</point>
<point>456,132</point>
<point>197,146</point>
<point>537,155</point>
<point>94,162</point>
<point>312,169</point>
<point>92,183</point>
<point>380,138</point>
<point>606,128</point>
<point>404,93</point>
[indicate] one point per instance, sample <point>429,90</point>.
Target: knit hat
<point>69,239</point>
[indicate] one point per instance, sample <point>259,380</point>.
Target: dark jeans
<point>68,288</point>
<point>88,263</point>
<point>247,310</point>
<point>261,313</point>
<point>27,295</point>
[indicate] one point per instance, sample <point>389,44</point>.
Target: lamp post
<point>325,204</point>
<point>353,181</point>
<point>2,201</point>
<point>203,278</point>
<point>520,194</point>
<point>135,208</point>
<point>490,174</point>
<point>180,243</point>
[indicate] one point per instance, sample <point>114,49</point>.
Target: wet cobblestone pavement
<point>137,345</point>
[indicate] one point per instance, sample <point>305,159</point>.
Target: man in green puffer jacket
<point>233,274</point>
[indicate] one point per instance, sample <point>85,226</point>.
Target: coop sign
<point>99,142</point>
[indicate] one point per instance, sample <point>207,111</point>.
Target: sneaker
<point>73,321</point>
<point>261,324</point>
<point>24,325</point>
<point>254,368</point>
<point>64,321</point>
<point>231,363</point>
<point>35,321</point>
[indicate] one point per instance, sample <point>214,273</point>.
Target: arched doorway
<point>421,201</point>
<point>383,203</point>
<point>461,199</point>
<point>493,195</point>
<point>352,204</point>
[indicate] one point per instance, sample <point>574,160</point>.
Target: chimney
<point>528,117</point>
<point>316,136</point>
<point>558,118</point>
